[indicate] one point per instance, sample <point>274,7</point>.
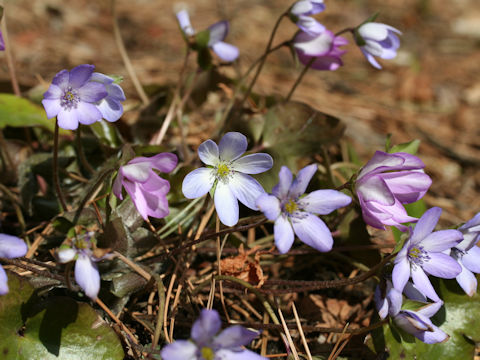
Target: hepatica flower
<point>323,47</point>
<point>385,183</point>
<point>227,174</point>
<point>86,271</point>
<point>10,247</point>
<point>111,106</point>
<point>299,14</point>
<point>208,343</point>
<point>376,39</point>
<point>146,188</point>
<point>72,97</point>
<point>418,324</point>
<point>295,213</point>
<point>216,34</point>
<point>422,255</point>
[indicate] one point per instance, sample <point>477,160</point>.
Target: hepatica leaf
<point>55,328</point>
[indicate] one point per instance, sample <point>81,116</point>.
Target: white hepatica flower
<point>227,172</point>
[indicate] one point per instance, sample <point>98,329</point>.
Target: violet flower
<point>147,190</point>
<point>418,324</point>
<point>208,344</point>
<point>217,33</point>
<point>376,39</point>
<point>295,213</point>
<point>388,300</point>
<point>72,97</point>
<point>2,42</point>
<point>467,254</point>
<point>385,183</point>
<point>323,47</point>
<point>227,175</point>
<point>110,106</point>
<point>422,255</point>
<point>299,14</point>
<point>86,271</point>
<point>10,247</point>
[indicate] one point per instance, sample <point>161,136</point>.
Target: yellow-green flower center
<point>415,252</point>
<point>291,206</point>
<point>207,353</point>
<point>81,244</point>
<point>69,96</point>
<point>222,171</point>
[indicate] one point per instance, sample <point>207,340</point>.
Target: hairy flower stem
<point>56,177</point>
<point>262,62</point>
<point>299,79</point>
<point>9,58</point>
<point>125,58</point>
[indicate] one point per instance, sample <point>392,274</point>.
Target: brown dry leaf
<point>243,267</point>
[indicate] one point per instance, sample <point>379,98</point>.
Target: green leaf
<point>410,147</point>
<point>56,328</point>
<point>20,112</point>
<point>107,133</point>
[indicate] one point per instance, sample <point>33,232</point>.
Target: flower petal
<point>269,205</point>
<point>412,292</point>
<point>206,327</point>
<point>218,32</point>
<point>242,354</point>
<point>117,185</point>
<point>381,303</point>
<point>136,172</point>
<point>441,240</point>
<point>283,234</point>
<point>3,281</point>
<point>382,161</point>
<point>184,22</point>
<point>225,51</point>
<point>180,350</point>
<point>423,284</point>
<point>53,93</point>
<point>155,193</point>
<point>235,336</point>
<point>246,189</point>
<point>313,232</point>
<point>407,186</point>
<point>400,273</point>
<point>61,79</point>
<point>12,246</point>
<point>87,113</point>
<point>310,25</point>
<point>253,164</point>
<point>442,266</point>
<point>471,259</point>
<point>164,162</point>
<point>232,146</point>
<point>197,183</point>
<point>66,255</point>
<point>87,276</point>
<point>467,281</point>
<point>285,179</point>
<point>111,110</point>
<point>208,152</point>
<point>92,92</point>
<point>226,204</point>
<point>374,188</point>
<point>67,119</point>
<point>80,74</point>
<point>313,44</point>
<point>137,196</point>
<point>301,181</point>
<point>324,201</point>
<point>426,224</point>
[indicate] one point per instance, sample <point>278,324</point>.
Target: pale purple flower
<point>111,106</point>
<point>86,271</point>
<point>10,247</point>
<point>227,175</point>
<point>146,188</point>
<point>2,42</point>
<point>388,300</point>
<point>72,97</point>
<point>295,213</point>
<point>299,14</point>
<point>207,343</point>
<point>376,39</point>
<point>385,183</point>
<point>471,233</point>
<point>418,323</point>
<point>422,255</point>
<point>217,33</point>
<point>324,47</point>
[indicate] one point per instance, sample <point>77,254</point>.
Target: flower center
<point>81,244</point>
<point>290,207</point>
<point>417,255</point>
<point>223,172</point>
<point>69,99</point>
<point>207,353</point>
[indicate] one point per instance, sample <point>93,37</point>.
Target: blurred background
<point>430,91</point>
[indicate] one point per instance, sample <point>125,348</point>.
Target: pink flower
<point>147,190</point>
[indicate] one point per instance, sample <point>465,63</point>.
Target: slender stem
<point>80,152</point>
<point>262,62</point>
<point>56,178</point>
<point>349,29</point>
<point>18,210</point>
<point>299,79</point>
<point>9,57</point>
<point>125,58</point>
